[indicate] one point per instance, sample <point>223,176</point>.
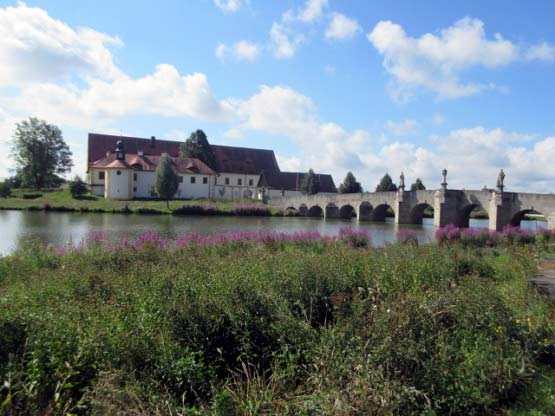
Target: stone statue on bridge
<point>500,181</point>
<point>402,182</point>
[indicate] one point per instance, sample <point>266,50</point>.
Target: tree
<point>197,146</point>
<point>77,187</point>
<point>310,184</point>
<point>386,184</point>
<point>5,188</point>
<point>417,186</point>
<point>40,153</point>
<point>350,185</point>
<point>166,180</point>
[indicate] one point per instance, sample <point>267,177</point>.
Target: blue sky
<point>352,85</point>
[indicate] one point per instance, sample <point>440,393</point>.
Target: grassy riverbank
<point>61,200</point>
<point>273,324</point>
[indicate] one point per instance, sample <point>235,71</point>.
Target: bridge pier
<point>499,211</point>
<point>551,221</point>
<point>445,208</point>
<point>402,209</point>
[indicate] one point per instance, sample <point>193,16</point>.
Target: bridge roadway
<point>450,206</point>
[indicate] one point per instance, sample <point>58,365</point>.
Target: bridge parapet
<point>450,206</point>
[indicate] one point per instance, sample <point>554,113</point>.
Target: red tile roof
<point>149,163</point>
<point>230,159</point>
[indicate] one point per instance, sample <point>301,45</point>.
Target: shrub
<point>197,210</point>
<point>251,210</point>
<point>5,189</point>
<point>77,187</point>
<point>32,195</point>
<point>407,236</point>
<point>354,238</point>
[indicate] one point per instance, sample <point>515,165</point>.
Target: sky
<point>337,86</point>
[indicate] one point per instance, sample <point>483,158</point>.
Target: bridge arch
<point>520,215</point>
<point>365,211</point>
<point>463,216</point>
<point>381,212</point>
<point>332,211</point>
<point>347,211</point>
<point>315,211</point>
<point>303,209</point>
<point>417,212</point>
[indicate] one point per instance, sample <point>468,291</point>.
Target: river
<point>19,227</point>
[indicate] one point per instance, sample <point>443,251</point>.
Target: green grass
<point>62,200</point>
<point>245,329</point>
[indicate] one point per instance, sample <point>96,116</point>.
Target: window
<point>118,172</point>
<point>227,181</point>
<point>250,182</point>
<point>135,177</point>
<point>239,182</point>
<point>193,179</point>
<point>180,180</point>
<point>205,180</point>
<point>101,175</point>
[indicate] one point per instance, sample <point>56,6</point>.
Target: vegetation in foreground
<point>274,324</point>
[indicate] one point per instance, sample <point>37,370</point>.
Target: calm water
<point>58,228</point>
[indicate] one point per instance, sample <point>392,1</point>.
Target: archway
<point>472,211</point>
<point>421,211</point>
<point>365,211</point>
<point>303,209</point>
<point>291,212</point>
<point>381,212</point>
<point>532,217</point>
<point>315,211</point>
<point>347,212</point>
<point>332,211</point>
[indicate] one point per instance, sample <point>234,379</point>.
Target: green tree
<point>5,189</point>
<point>77,187</point>
<point>166,180</point>
<point>417,185</point>
<point>197,146</point>
<point>350,185</point>
<point>386,184</point>
<point>310,184</point>
<point>40,153</point>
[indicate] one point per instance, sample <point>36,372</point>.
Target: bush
<point>77,187</point>
<point>197,210</point>
<point>251,211</point>
<point>32,195</point>
<point>5,189</point>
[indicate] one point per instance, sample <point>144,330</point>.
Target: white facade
<point>118,183</point>
<point>131,184</point>
<point>96,181</point>
<point>236,186</point>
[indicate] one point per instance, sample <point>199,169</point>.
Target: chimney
<point>152,142</point>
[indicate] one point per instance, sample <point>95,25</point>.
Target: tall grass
<point>267,324</point>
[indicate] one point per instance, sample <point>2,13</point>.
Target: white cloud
<point>541,52</point>
<point>310,12</point>
<point>282,45</point>
<point>290,164</point>
<point>242,50</point>
<point>229,6</point>
<point>341,27</point>
<point>438,119</point>
<point>403,128</point>
<point>435,62</point>
<point>233,133</point>
<point>35,47</point>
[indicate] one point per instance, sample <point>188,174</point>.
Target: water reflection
<point>19,227</point>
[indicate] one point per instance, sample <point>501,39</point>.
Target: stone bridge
<point>450,206</point>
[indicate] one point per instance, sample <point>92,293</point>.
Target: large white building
<point>122,167</point>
